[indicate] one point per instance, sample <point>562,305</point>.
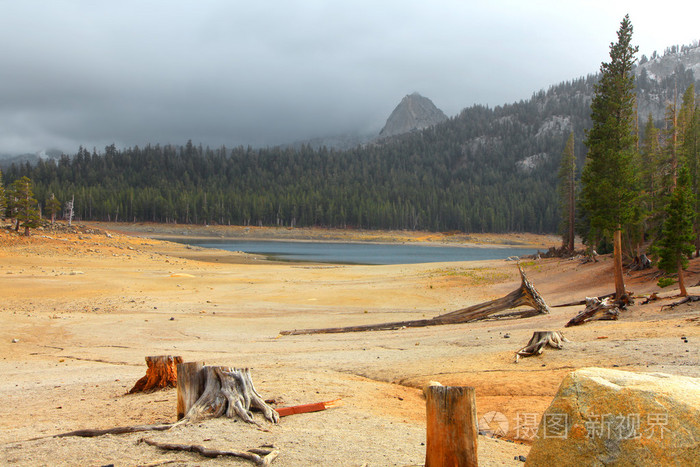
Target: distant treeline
<point>487,169</point>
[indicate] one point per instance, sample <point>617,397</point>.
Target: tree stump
<point>215,391</point>
<point>190,385</point>
<point>538,341</point>
<point>451,426</point>
<point>596,309</point>
<point>161,373</point>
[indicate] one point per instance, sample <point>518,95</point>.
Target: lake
<point>362,253</point>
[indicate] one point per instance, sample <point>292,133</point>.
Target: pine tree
<point>609,176</point>
<point>24,205</point>
<point>53,205</point>
<point>689,123</point>
<point>567,194</point>
<point>678,236</point>
<point>650,161</point>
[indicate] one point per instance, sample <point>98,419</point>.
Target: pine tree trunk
<point>572,209</point>
<point>681,281</point>
<point>617,256</point>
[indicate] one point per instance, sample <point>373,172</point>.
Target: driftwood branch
<point>538,342</point>
<point>526,294</point>
<point>688,299</point>
<point>596,310</point>
<point>120,430</point>
<point>259,456</point>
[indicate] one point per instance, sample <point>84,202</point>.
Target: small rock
<point>14,341</point>
<point>172,318</point>
<point>506,336</point>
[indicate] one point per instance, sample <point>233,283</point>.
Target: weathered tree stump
<point>190,385</point>
<point>215,391</point>
<point>451,431</point>
<point>161,373</point>
<point>595,310</point>
<point>538,341</point>
<point>526,294</point>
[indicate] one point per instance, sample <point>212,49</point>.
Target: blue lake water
<point>362,253</point>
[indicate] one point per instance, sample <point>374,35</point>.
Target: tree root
<point>540,340</point>
<point>259,456</point>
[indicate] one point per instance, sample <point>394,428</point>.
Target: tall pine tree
<point>677,241</point>
<point>608,176</point>
<point>689,122</point>
<point>24,205</point>
<point>567,194</point>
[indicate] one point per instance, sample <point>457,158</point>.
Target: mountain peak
<point>414,112</point>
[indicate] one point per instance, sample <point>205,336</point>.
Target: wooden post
<point>190,385</point>
<point>451,426</point>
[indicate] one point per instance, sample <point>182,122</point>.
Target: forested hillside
<point>487,169</point>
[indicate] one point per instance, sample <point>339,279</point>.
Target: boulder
<point>610,417</point>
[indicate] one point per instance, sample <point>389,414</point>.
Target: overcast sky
<point>262,72</point>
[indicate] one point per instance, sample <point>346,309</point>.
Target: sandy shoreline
<point>85,308</point>
<point>201,232</point>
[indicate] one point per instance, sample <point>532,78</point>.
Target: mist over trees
<point>484,170</point>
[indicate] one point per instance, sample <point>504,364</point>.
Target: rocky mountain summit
<point>662,79</point>
<point>414,112</point>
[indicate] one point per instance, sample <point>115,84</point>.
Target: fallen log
<point>526,294</point>
<point>161,373</point>
<point>583,302</point>
<point>538,342</point>
<point>596,310</point>
<point>259,456</point>
<point>687,299</point>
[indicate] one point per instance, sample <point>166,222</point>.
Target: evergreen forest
<point>484,170</point>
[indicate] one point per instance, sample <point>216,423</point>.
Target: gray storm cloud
<point>261,73</point>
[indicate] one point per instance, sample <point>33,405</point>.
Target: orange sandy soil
<point>86,307</point>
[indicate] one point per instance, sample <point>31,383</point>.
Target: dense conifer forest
<point>486,169</point>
